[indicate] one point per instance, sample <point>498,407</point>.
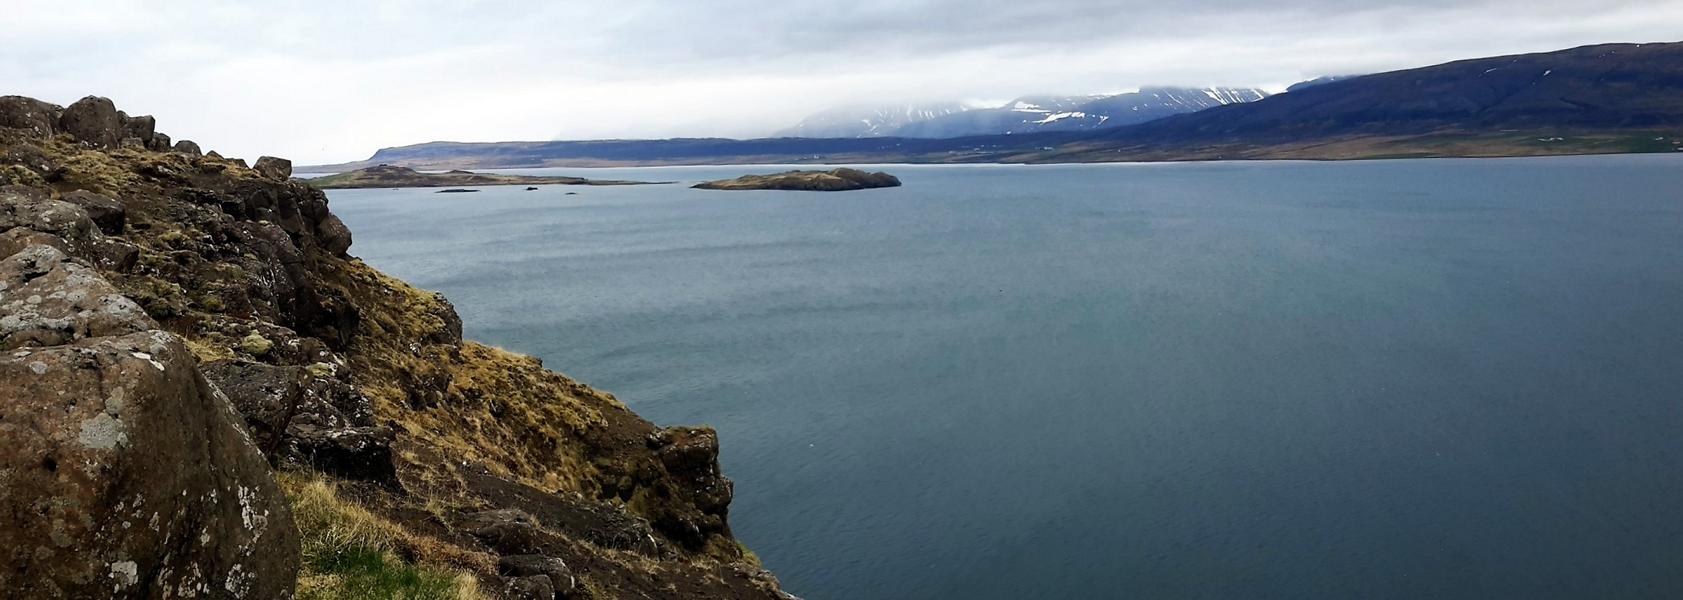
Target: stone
<point>48,300</point>
<point>528,565</point>
<point>273,168</point>
<point>333,235</point>
<point>141,128</point>
<point>302,415</point>
<point>123,472</point>
<point>107,213</point>
<point>93,120</point>
<point>506,530</point>
<point>14,240</point>
<point>188,147</point>
<point>37,117</point>
<point>22,206</point>
<point>536,587</point>
<point>159,142</point>
<point>111,254</point>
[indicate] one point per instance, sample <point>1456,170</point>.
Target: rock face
<point>123,473</point>
<point>838,180</point>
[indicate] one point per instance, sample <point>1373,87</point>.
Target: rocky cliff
<point>208,397</point>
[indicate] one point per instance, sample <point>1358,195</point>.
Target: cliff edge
<point>217,400</point>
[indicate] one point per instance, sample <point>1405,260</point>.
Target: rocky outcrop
<point>836,180</point>
<point>123,473</point>
<point>221,300</point>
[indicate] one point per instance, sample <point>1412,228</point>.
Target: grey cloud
<point>351,76</point>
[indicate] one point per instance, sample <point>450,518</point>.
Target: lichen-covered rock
<point>279,169</point>
<point>528,565</point>
<point>507,530</point>
<point>535,587</point>
<point>306,416</point>
<point>29,211</point>
<point>334,235</point>
<point>37,117</point>
<point>123,472</point>
<point>23,206</point>
<point>106,212</point>
<point>188,147</point>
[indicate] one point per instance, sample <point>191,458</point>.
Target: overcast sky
<point>333,81</point>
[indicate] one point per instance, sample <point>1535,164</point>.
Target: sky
<point>320,81</point>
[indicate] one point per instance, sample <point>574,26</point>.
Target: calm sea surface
<point>1407,379</point>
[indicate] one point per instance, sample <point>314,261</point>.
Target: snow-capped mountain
<point>872,121</point>
<point>1150,104</point>
<point>1023,115</point>
<point>1029,113</point>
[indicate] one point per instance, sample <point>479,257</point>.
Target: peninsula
<point>388,176</point>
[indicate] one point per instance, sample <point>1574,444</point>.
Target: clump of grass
<point>749,555</point>
<point>350,553</point>
<point>358,573</point>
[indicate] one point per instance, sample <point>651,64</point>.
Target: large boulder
<point>333,235</point>
<point>274,168</point>
<point>93,120</point>
<point>188,147</point>
<point>160,142</point>
<point>123,472</point>
<point>37,117</point>
<point>141,128</point>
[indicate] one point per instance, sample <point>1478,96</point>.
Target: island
<point>388,176</point>
<point>836,180</point>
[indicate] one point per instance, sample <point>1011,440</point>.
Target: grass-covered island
<point>387,176</point>
<point>836,180</point>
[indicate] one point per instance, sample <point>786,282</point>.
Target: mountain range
<point>1029,114</point>
<point>1605,98</point>
<point>869,121</point>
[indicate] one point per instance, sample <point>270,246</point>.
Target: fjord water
<point>1403,379</point>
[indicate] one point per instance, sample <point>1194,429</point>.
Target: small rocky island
<point>836,180</point>
<point>388,176</point>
